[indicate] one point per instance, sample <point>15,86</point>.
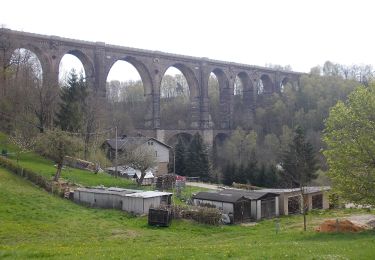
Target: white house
<point>159,149</point>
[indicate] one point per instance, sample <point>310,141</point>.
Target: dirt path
<point>363,220</point>
<point>203,185</point>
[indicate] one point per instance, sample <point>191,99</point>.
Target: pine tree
<point>299,166</point>
<point>197,163</point>
<point>180,153</point>
<point>298,162</point>
<point>261,178</point>
<point>228,173</point>
<point>72,106</point>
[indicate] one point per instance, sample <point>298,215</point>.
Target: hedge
<point>32,176</point>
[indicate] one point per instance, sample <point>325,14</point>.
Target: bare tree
<point>140,158</point>
<point>57,144</point>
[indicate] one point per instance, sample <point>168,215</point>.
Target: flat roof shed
<point>263,204</point>
<point>235,205</point>
<point>140,203</point>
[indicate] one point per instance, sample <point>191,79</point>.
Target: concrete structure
<point>132,201</point>
<point>158,149</point>
<point>98,58</point>
<point>242,205</point>
<point>291,199</point>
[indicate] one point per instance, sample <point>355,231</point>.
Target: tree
<point>57,144</point>
<point>228,174</point>
<point>350,139</point>
<point>23,141</point>
<point>197,163</point>
<point>299,166</point>
<point>73,96</point>
<point>240,147</point>
<point>139,158</point>
<point>180,160</point>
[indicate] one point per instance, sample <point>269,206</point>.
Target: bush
<point>209,216</point>
<point>32,176</point>
<point>204,215</point>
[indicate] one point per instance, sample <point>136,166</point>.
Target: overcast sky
<point>300,33</point>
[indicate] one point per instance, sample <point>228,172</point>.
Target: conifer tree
<point>299,166</point>
<point>197,163</point>
<point>72,106</point>
<point>228,173</point>
<point>180,152</point>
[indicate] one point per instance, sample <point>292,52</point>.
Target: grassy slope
<point>34,224</point>
<point>46,168</point>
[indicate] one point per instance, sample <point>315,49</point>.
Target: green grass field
<point>35,224</point>
<point>46,168</point>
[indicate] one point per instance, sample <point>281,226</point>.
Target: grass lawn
<point>35,224</point>
<point>46,168</point>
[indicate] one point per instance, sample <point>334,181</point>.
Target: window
<point>156,153</point>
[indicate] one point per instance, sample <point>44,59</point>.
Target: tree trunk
<point>86,149</point>
<point>58,171</point>
<point>140,180</point>
<point>303,208</point>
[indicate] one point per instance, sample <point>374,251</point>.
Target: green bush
<point>32,176</point>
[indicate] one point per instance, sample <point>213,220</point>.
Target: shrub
<point>32,176</point>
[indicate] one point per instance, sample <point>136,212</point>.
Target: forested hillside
<point>250,155</point>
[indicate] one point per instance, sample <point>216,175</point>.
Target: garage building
<point>291,199</point>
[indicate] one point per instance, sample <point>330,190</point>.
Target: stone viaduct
<point>98,58</point>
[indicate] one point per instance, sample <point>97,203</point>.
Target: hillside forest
<point>251,155</point>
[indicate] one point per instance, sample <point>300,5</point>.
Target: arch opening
<point>25,69</point>
<point>126,94</point>
<point>25,87</point>
<point>285,84</point>
<point>70,63</point>
<point>185,138</point>
<point>178,90</point>
<point>214,98</point>
<point>266,84</point>
<point>243,101</point>
<point>225,97</point>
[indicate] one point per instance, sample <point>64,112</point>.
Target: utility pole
<point>174,161</point>
<point>116,152</point>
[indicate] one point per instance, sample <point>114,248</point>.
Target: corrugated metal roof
<point>307,190</point>
<point>111,190</point>
<point>148,194</point>
<point>218,196</point>
<point>252,195</point>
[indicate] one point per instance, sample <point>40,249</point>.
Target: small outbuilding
<point>241,205</point>
<point>235,205</point>
<point>263,204</point>
<point>291,199</point>
<point>141,202</point>
<point>132,201</point>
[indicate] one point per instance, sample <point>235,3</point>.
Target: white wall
<point>160,151</point>
<point>224,206</point>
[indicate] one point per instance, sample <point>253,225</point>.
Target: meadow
<point>36,224</point>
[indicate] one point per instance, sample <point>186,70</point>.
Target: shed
<point>102,197</point>
<point>133,201</point>
<point>140,203</point>
<point>291,199</point>
<point>263,204</point>
<point>235,205</point>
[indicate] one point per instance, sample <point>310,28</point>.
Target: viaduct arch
<point>98,58</point>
